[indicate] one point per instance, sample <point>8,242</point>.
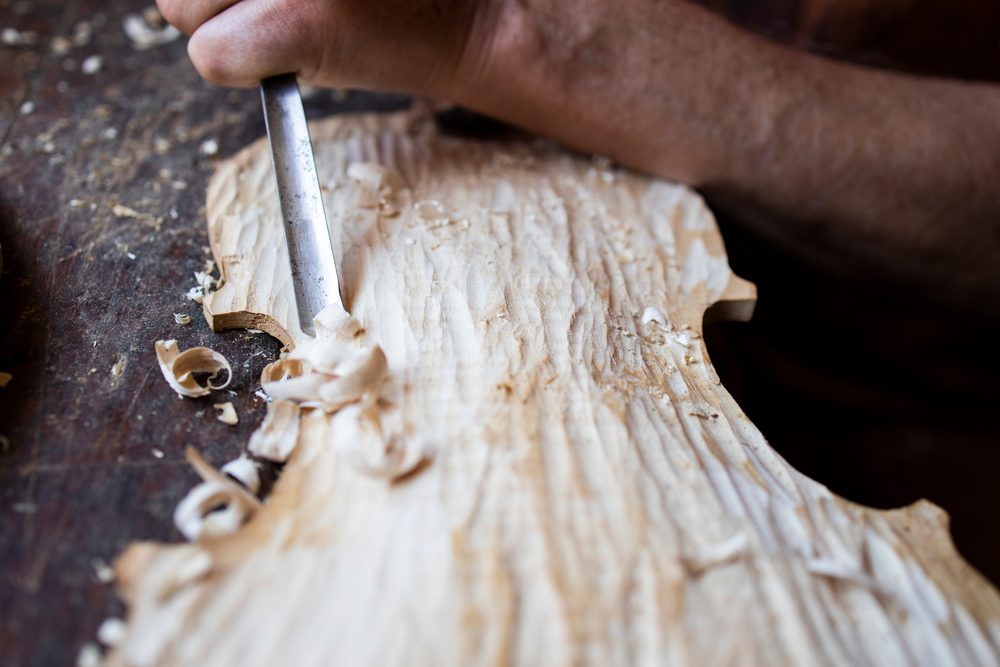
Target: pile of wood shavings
<point>345,381</point>
<point>335,374</point>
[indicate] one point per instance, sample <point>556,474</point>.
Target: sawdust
<point>278,434</point>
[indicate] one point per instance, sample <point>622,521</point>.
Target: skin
<point>866,173</point>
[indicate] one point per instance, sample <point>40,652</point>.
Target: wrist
<point>684,94</point>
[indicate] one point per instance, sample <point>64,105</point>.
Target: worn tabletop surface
<point>103,169</point>
<point>96,438</point>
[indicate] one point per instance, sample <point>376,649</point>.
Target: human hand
<point>403,45</point>
<point>868,162</point>
<point>608,64</point>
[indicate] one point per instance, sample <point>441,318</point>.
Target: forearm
<point>882,175</point>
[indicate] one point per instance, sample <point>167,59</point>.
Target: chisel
<point>310,249</point>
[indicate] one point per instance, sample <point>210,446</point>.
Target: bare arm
<point>886,176</point>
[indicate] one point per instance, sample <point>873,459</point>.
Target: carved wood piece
<point>592,494</point>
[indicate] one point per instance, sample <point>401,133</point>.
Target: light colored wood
<point>591,495</point>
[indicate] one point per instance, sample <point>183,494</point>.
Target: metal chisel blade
<point>310,250</point>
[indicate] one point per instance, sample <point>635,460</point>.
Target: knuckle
<point>294,31</point>
<point>173,12</point>
<point>210,60</point>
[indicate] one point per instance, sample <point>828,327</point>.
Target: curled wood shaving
<point>178,368</point>
<point>334,374</point>
<point>182,318</point>
<point>335,323</point>
<point>227,413</point>
<point>290,380</point>
<point>244,471</point>
<point>358,436</point>
<point>278,434</point>
<point>342,380</point>
<point>207,509</point>
<point>326,374</point>
<point>217,506</point>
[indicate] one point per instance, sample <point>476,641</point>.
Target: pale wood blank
<point>591,494</point>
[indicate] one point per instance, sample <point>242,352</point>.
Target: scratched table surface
<point>105,153</point>
<point>96,438</point>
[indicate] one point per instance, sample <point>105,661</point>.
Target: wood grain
<point>80,479</point>
<point>595,496</point>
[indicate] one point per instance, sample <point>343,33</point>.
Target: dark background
<point>882,397</point>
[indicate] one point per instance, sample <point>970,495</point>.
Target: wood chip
<point>92,65</point>
<point>357,434</point>
<point>145,36</point>
<point>89,656</point>
<point>326,373</point>
<point>112,632</point>
<point>119,366</point>
<point>653,315</point>
<point>376,186</point>
<point>218,506</point>
<point>5,378</point>
<point>123,211</point>
<point>104,572</point>
<point>244,471</point>
<point>277,435</point>
<point>178,368</point>
<point>196,294</point>
<point>15,37</point>
<point>227,413</point>
<point>209,147</point>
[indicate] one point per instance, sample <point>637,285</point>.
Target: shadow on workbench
<point>885,400</point>
<point>881,397</point>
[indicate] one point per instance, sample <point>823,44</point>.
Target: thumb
<point>415,46</point>
<point>254,39</point>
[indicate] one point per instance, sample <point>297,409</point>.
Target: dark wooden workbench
<point>84,289</point>
<point>95,456</point>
